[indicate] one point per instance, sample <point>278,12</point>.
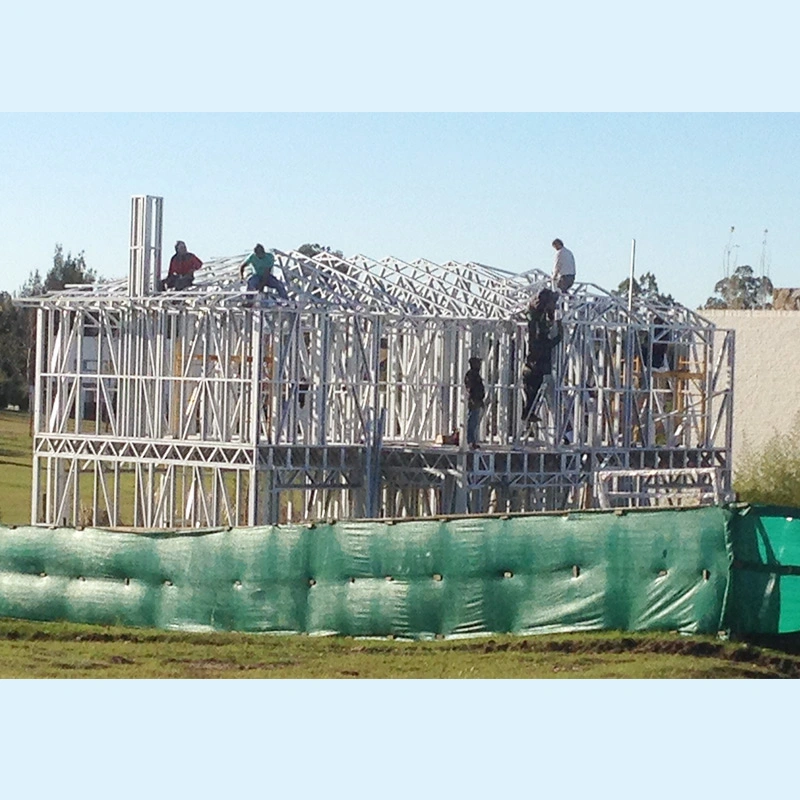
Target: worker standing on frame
<point>476,394</point>
<point>564,267</point>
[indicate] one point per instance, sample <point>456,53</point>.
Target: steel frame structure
<point>214,406</point>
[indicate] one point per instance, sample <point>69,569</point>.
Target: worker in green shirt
<point>261,263</point>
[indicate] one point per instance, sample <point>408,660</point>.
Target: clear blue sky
<point>494,188</point>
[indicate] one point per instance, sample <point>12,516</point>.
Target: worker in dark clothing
<point>541,311</point>
<point>476,394</point>
<point>539,361</point>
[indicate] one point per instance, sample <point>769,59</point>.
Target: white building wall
<point>766,383</point>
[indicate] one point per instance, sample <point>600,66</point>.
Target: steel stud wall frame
<point>213,406</point>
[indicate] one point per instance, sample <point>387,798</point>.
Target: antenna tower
<point>726,255</point>
<point>764,256</point>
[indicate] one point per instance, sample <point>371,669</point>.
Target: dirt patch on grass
<point>778,665</point>
<point>216,664</point>
<point>587,648</point>
<point>204,664</point>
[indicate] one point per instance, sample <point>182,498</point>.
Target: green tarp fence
<point>764,594</point>
<point>694,570</point>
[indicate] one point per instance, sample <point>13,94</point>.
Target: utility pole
<point>762,289</point>
<point>631,278</point>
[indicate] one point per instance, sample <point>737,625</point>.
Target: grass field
<point>61,650</point>
<point>15,468</point>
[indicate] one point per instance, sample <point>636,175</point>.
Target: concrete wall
<point>766,383</point>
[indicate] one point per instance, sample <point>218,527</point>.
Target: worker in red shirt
<point>182,267</point>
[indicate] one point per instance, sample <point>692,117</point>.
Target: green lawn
<point>64,650</point>
<point>15,468</point>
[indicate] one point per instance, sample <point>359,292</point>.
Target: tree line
<point>18,325</point>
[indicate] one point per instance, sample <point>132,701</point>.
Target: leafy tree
<point>65,270</point>
<point>743,289</point>
<point>311,250</point>
<point>14,342</point>
<point>32,287</point>
<point>17,324</point>
<point>645,288</point>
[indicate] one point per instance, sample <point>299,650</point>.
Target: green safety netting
<point>764,595</point>
<point>691,570</point>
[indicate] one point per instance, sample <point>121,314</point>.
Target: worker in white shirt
<point>564,267</point>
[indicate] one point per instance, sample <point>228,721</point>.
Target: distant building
<point>767,375</point>
<point>786,299</point>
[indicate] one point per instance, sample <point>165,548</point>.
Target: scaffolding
<point>214,407</point>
